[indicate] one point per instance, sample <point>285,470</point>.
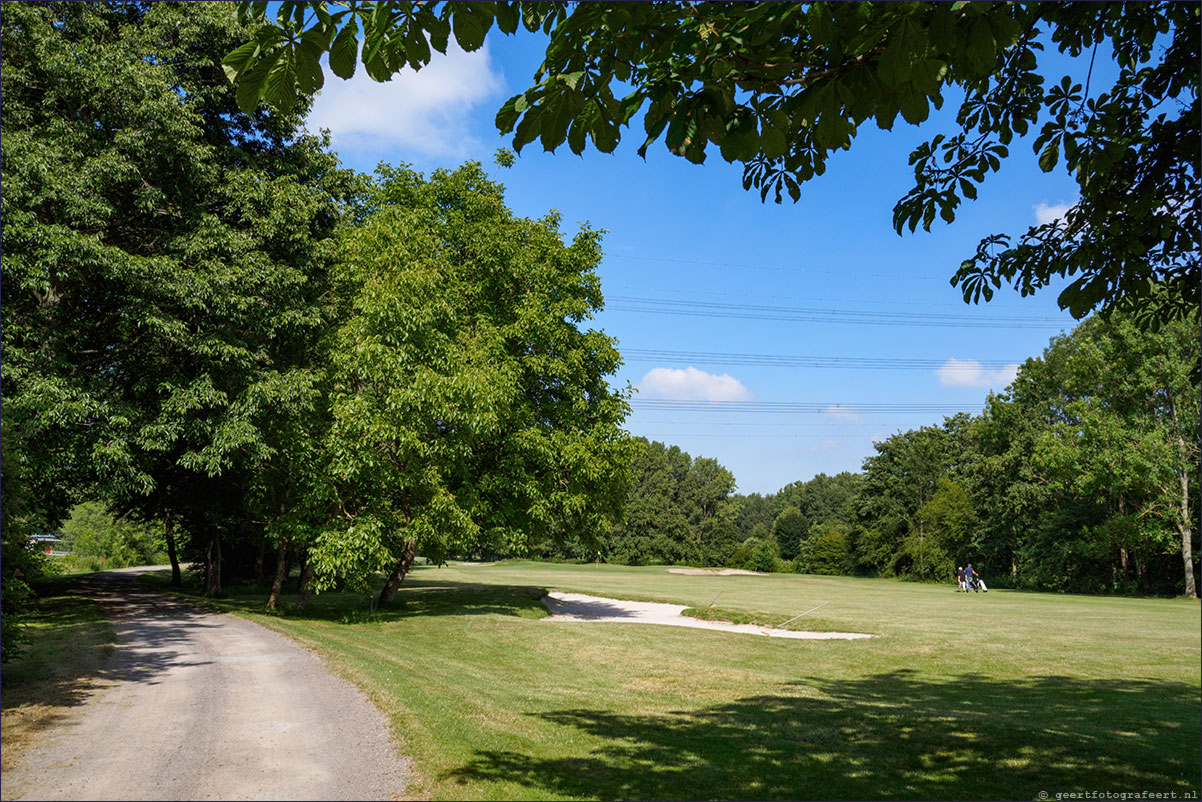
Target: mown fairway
<point>989,696</point>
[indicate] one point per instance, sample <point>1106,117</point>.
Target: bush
<point>98,541</point>
<point>742,555</point>
<point>928,559</point>
<point>765,556</point>
<point>827,552</point>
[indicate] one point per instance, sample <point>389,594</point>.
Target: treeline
<point>678,510</point>
<point>216,333</point>
<point>1082,476</point>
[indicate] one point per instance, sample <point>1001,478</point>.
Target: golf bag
<point>980,585</point>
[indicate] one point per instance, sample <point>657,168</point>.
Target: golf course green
<point>998,695</point>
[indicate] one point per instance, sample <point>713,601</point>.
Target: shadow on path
<point>161,622</point>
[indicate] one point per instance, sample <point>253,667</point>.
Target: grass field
<point>980,696</point>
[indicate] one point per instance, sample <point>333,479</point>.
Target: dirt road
<point>209,706</point>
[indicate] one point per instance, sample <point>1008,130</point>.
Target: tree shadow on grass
<point>894,735</point>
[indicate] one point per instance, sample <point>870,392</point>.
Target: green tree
<point>764,556</point>
<point>1126,435</point>
<point>791,529</point>
<point>827,552</point>
<point>468,406</point>
<point>1088,463</point>
<point>678,509</point>
<point>754,509</point>
<point>949,522</point>
<point>899,481</point>
<point>654,528</point>
<point>92,531</point>
<point>780,86</point>
<point>163,262</point>
<point>823,498</point>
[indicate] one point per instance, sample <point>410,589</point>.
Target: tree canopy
<point>163,264</point>
<point>677,509</point>
<point>779,87</point>
<point>1082,476</point>
<point>469,408</point>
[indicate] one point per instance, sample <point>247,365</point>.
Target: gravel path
<point>578,607</point>
<point>209,706</point>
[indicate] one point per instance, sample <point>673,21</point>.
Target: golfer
<point>969,582</point>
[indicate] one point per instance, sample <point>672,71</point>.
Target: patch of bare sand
<point>713,571</point>
<point>578,607</point>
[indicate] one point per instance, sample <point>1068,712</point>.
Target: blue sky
<point>682,237</point>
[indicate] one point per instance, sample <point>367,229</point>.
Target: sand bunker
<point>578,607</point>
<point>713,571</point>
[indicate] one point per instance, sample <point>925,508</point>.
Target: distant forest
<point>1082,476</point>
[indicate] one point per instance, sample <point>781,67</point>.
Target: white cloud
<point>426,111</point>
<point>1045,214</point>
<point>692,384</point>
<point>825,445</point>
<point>879,437</point>
<point>841,413</point>
<point>967,373</point>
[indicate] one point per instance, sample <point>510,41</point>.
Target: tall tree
<point>469,408</point>
<point>899,481</point>
<point>780,86</point>
<point>1127,433</point>
<point>678,509</point>
<point>791,529</point>
<point>1088,466</point>
<point>162,258</point>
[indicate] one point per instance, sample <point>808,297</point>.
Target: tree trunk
<point>304,566</point>
<point>177,579</point>
<point>288,555</point>
<point>262,555</point>
<point>306,578</point>
<point>281,568</point>
<point>1183,526</point>
<point>208,585</point>
<point>213,565</point>
<point>398,573</point>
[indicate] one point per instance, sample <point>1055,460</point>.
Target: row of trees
<point>682,510</point>
<point>208,324</point>
<point>1082,476</point>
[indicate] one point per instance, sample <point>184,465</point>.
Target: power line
<point>810,298</point>
<point>772,268</point>
<point>683,405</point>
<point>663,306</point>
<point>734,436</point>
<point>787,361</point>
<point>842,426</point>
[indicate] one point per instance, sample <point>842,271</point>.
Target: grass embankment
<point>999,695</point>
<point>71,639</point>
